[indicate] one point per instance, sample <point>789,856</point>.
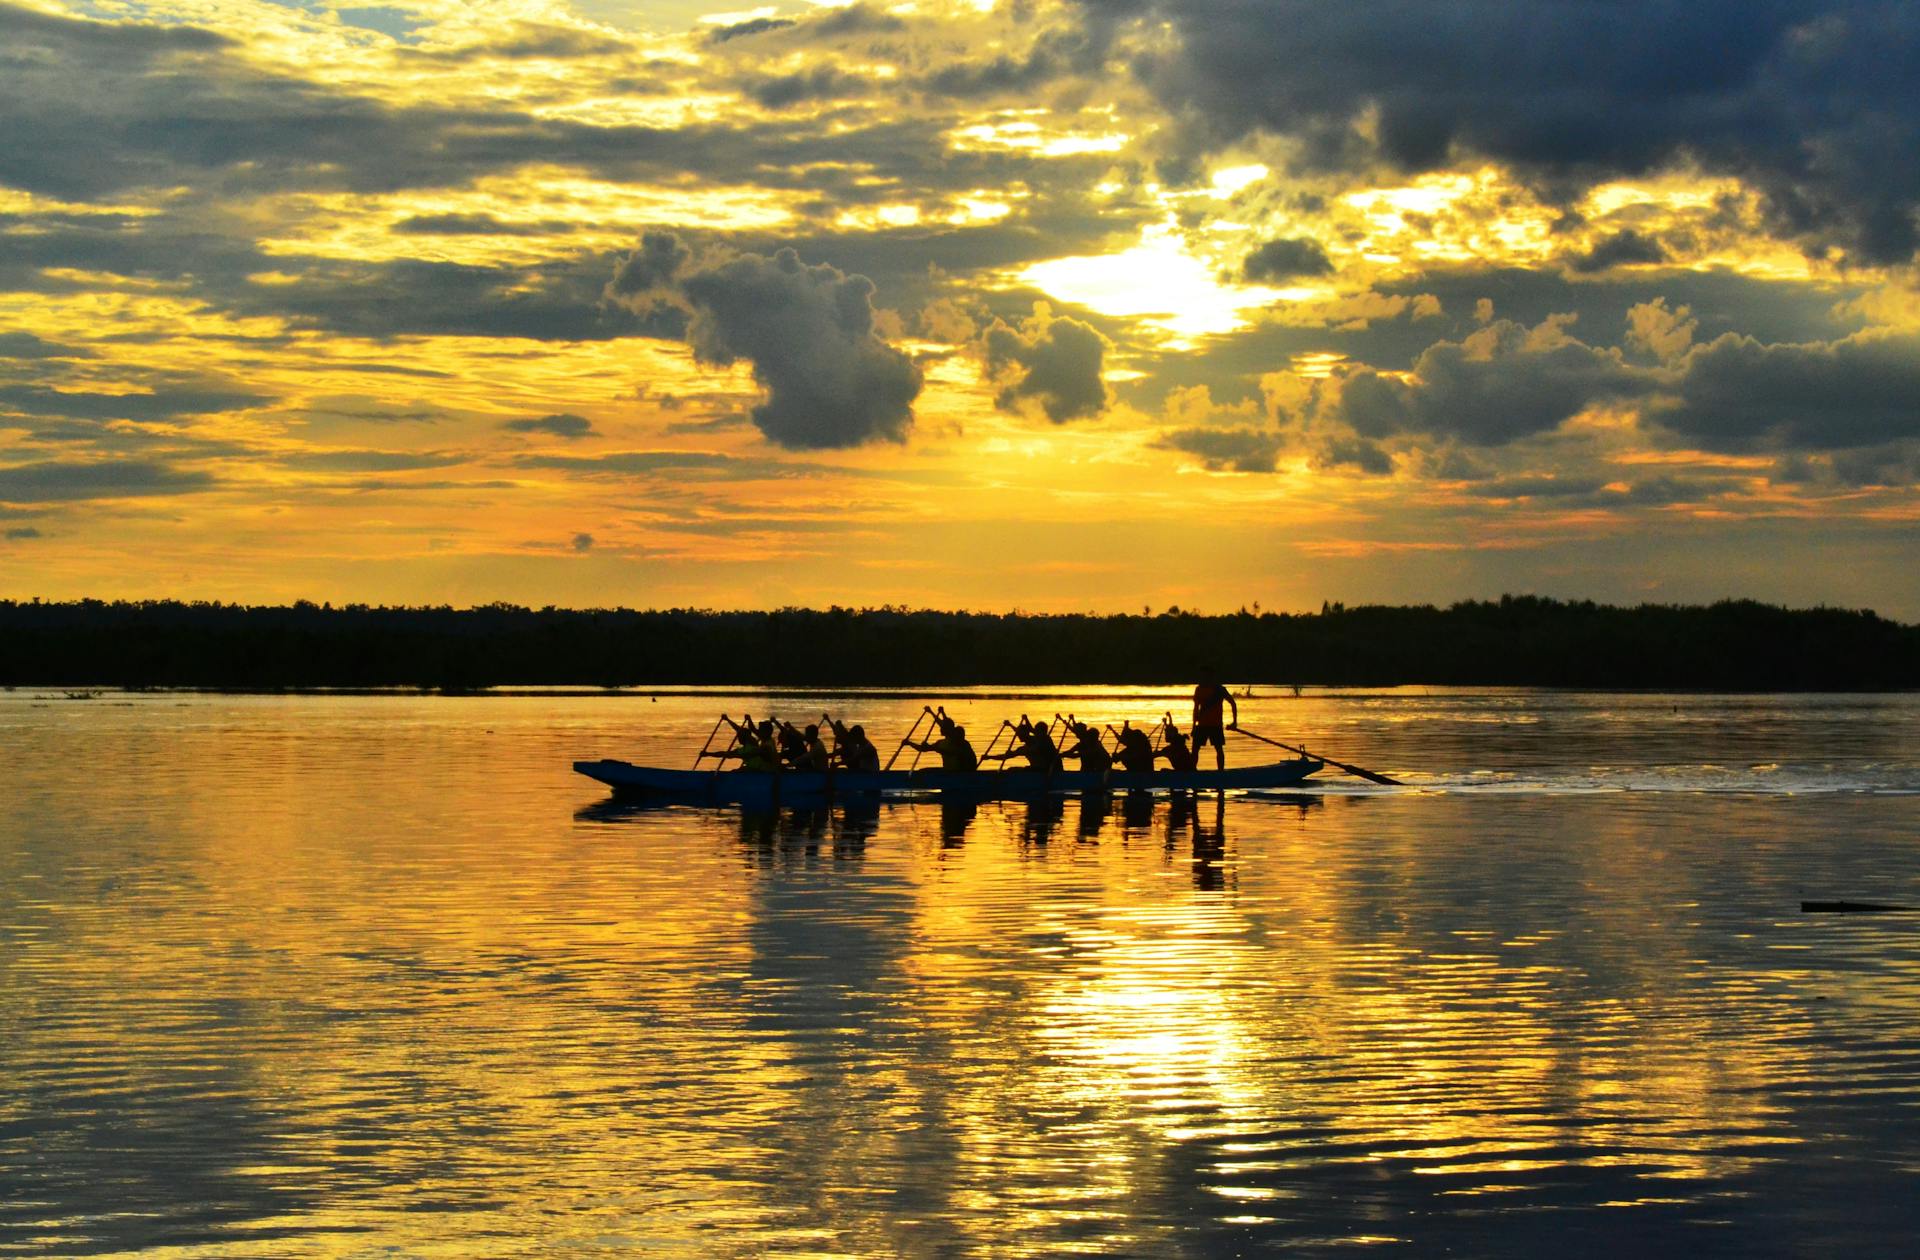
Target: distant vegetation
<point>1515,640</point>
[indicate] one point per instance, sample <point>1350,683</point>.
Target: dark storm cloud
<point>1359,453</point>
<point>38,400</point>
<point>1241,450</point>
<point>1536,486</point>
<point>808,332</point>
<point>1503,383</point>
<point>370,461</point>
<point>95,109</point>
<point>159,248</point>
<point>1278,261</point>
<point>827,25</point>
<point>750,27</point>
<point>561,424</point>
<point>471,225</point>
<point>1054,361</point>
<point>1809,100</point>
<point>1891,464</point>
<point>1619,249</point>
<point>1858,394</point>
<point>529,40</point>
<point>1586,490</point>
<point>860,18</point>
<point>1736,393</point>
<point>815,83</point>
<point>635,463</point>
<point>54,481</point>
<point>660,257</point>
<point>24,345</point>
<point>554,301</point>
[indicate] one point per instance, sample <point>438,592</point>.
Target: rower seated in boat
<point>1136,754</point>
<point>814,755</point>
<point>854,750</point>
<point>1087,747</point>
<point>956,754</point>
<point>1034,741</point>
<point>756,747</point>
<point>792,745</point>
<point>1179,755</point>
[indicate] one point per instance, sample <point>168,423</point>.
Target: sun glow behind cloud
<point>1159,282</point>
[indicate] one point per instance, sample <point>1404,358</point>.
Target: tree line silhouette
<point>1516,640</point>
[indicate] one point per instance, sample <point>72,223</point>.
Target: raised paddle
<point>920,749</point>
<point>1852,907</point>
<point>699,756</point>
<point>1357,771</point>
<point>925,712</point>
<point>985,756</point>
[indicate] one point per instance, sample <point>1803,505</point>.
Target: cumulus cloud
<point>651,267</point>
<point>1236,450</point>
<point>1286,258</point>
<point>1663,333</point>
<point>1052,361</point>
<point>1621,249</point>
<point>809,333</point>
<point>1355,452</point>
<point>1853,398</point>
<point>1736,393</point>
<point>1500,383</point>
<point>562,424</point>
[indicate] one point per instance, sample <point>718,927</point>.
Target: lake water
<point>378,975</point>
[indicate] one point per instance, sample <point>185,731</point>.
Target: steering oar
<point>1357,771</point>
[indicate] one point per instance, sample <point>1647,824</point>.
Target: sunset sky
<point>1056,305</point>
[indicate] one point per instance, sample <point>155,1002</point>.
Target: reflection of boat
<point>737,785</point>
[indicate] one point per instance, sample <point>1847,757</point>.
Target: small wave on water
<point>1773,779</point>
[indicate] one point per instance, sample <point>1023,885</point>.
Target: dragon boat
<point>735,786</point>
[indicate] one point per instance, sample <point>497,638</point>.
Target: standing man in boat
<point>1208,714</point>
<point>956,754</point>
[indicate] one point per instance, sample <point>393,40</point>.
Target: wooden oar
<point>699,756</point>
<point>1356,771</point>
<point>919,751</point>
<point>911,732</point>
<point>986,756</point>
<point>1852,907</point>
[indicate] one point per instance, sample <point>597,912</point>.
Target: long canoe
<point>748,785</point>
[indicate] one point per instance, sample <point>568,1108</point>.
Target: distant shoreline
<point>932,693</point>
<point>1523,641</point>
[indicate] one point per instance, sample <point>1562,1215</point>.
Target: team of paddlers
<point>770,745</point>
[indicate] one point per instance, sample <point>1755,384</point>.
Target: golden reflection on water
<point>330,977</point>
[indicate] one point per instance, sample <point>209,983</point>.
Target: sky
<point>1054,305</point>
